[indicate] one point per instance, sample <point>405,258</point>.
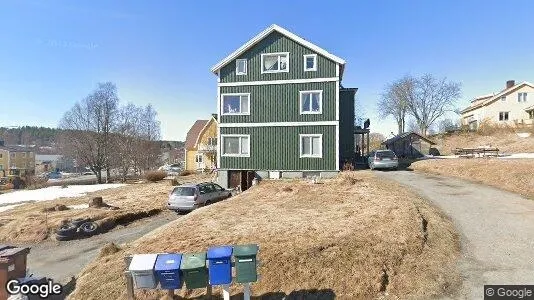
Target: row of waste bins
<point>196,270</point>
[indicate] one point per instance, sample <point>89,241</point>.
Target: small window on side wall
<point>241,67</point>
<point>310,62</point>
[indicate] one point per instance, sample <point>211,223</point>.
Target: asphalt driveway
<point>496,227</point>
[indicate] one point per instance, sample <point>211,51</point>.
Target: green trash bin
<point>194,270</point>
<point>245,263</point>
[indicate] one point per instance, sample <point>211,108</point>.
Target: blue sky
<point>53,53</point>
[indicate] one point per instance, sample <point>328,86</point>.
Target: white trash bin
<point>142,270</point>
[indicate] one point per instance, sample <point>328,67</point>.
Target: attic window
<point>310,62</point>
<point>275,62</point>
<point>241,67</point>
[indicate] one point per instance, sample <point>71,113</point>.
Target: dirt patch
<point>109,249</point>
<point>57,207</point>
<point>364,240</point>
<point>30,223</point>
<point>514,175</point>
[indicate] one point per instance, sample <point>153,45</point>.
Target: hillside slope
<point>506,140</point>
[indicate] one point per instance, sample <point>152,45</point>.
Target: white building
<point>514,105</point>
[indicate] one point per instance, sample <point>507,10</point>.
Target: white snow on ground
<point>52,192</point>
<point>8,207</point>
<point>79,206</point>
<point>518,155</point>
<point>502,156</point>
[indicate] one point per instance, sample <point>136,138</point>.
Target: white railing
<point>207,147</point>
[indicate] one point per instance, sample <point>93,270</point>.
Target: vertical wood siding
<point>280,103</point>
<point>277,148</point>
<point>276,42</point>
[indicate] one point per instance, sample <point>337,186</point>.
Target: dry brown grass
<point>341,236</point>
<point>155,176</point>
<point>514,175</point>
<point>503,138</point>
<point>34,222</point>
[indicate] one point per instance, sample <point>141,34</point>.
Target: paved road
<point>62,260</point>
<point>496,227</point>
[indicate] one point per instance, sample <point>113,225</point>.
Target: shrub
<point>186,173</point>
<point>154,176</point>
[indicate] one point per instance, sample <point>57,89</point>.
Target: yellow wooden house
<point>201,145</point>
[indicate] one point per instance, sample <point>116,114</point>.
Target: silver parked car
<point>383,159</point>
<point>188,197</point>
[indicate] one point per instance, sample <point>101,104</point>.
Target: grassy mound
<point>354,237</point>
<point>513,175</point>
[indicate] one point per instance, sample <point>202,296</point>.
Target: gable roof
<point>193,133</point>
<point>265,33</point>
<point>213,119</point>
<point>498,96</point>
<point>405,135</point>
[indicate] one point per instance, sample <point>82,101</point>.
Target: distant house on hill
<point>409,145</point>
<point>514,105</point>
<point>201,145</point>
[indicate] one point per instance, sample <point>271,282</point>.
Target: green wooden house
<point>282,110</point>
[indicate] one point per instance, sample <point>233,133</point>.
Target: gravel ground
<point>496,227</point>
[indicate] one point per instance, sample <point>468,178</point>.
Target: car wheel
<point>78,222</point>
<point>67,230</point>
<point>89,228</point>
<point>64,237</point>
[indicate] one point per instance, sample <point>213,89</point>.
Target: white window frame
<point>237,66</point>
<point>301,93</point>
<point>240,136</point>
<point>275,71</point>
<point>1,167</point>
<point>240,105</point>
<point>301,137</point>
<point>504,113</point>
<point>23,154</point>
<point>201,158</point>
<point>314,62</point>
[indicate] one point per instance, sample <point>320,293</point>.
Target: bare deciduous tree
<point>103,136</point>
<point>426,99</point>
<point>88,126</point>
<point>393,102</point>
<point>430,99</point>
<point>375,140</point>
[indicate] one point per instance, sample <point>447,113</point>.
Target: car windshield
<point>184,191</point>
<point>385,154</point>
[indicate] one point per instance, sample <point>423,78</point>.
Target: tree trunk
<point>99,176</point>
<point>108,176</point>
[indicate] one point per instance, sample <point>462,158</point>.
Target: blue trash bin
<point>220,265</point>
<point>167,271</point>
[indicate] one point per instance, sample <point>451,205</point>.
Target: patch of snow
<point>53,192</point>
<point>8,207</point>
<point>517,155</point>
<point>79,206</point>
<point>523,134</point>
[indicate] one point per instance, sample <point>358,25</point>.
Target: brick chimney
<point>510,83</point>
